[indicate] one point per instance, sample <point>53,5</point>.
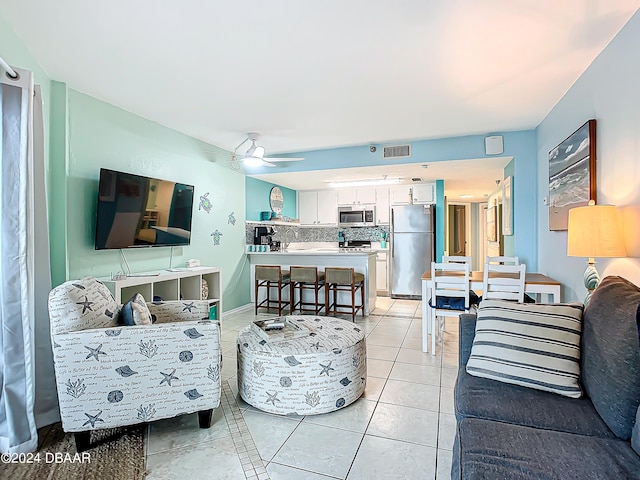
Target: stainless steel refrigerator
<point>412,248</point>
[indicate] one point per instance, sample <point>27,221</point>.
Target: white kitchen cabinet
<point>327,207</point>
<point>347,196</point>
<point>308,207</point>
<point>357,196</point>
<point>319,207</point>
<point>422,193</point>
<point>382,273</point>
<point>382,205</point>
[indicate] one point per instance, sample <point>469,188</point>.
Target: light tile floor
<point>402,428</point>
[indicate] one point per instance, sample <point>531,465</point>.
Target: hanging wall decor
<point>205,203</point>
<point>216,237</point>
<point>507,207</point>
<point>572,175</point>
<point>232,219</point>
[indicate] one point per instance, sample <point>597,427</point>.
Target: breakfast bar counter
<point>362,261</point>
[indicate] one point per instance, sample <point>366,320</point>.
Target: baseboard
<point>237,310</point>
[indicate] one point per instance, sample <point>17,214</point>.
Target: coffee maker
<point>263,236</point>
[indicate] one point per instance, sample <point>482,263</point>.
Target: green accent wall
<point>102,135</point>
<point>58,158</point>
<point>257,199</point>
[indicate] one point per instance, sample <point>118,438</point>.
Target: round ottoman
<point>317,373</point>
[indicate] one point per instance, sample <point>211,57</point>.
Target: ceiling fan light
<point>258,152</point>
<point>253,161</point>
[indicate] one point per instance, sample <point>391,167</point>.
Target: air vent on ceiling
<point>416,179</point>
<point>396,151</point>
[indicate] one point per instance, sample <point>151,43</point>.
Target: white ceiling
<point>476,177</point>
<point>311,75</point>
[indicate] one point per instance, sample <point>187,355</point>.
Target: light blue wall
<point>607,91</point>
<point>257,199</point>
<point>520,145</point>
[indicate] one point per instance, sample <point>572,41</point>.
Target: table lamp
<point>594,231</point>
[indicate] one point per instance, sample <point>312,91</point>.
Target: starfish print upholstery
<point>93,419</point>
<point>86,305</point>
<point>326,368</point>
<point>188,306</point>
<point>94,352</point>
<point>273,398</point>
<point>168,377</point>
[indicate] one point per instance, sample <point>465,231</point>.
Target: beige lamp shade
<point>595,231</point>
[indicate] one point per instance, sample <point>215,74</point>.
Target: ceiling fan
<point>254,156</point>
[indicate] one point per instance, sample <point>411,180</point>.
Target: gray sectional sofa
<point>507,431</point>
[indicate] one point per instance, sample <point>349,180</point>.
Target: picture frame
<point>572,175</point>
<point>507,207</point>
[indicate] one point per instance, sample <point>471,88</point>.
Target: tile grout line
<point>394,361</point>
<point>254,468</point>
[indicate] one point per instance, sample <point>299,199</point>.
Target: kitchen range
<point>355,246</point>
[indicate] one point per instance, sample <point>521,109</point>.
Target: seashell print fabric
<point>82,304</point>
<point>185,309</point>
<point>320,373</point>
<point>109,377</point>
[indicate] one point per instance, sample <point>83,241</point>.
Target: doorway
<point>458,229</point>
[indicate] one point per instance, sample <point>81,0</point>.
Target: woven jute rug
<point>118,454</point>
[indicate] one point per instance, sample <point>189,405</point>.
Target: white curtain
<point>24,262</point>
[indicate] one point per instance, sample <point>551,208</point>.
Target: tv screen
<point>138,211</point>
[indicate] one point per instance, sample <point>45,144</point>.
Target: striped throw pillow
<point>533,345</point>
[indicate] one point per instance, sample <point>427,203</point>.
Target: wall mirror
<point>276,200</point>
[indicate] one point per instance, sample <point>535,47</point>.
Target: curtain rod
<point>10,71</point>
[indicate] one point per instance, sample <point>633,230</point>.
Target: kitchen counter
<point>362,262</point>
<point>316,251</point>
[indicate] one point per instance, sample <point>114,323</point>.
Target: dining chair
<point>457,259</point>
<point>505,282</point>
<point>503,260</point>
<point>450,295</point>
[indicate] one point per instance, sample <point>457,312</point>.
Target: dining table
<point>534,283</point>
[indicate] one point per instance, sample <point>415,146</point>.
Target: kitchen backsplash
<point>319,234</point>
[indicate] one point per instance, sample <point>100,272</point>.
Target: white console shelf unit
<point>178,284</point>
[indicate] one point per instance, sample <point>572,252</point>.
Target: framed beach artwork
<point>572,175</point>
<point>507,207</point>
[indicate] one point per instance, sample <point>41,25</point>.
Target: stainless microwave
<point>357,216</point>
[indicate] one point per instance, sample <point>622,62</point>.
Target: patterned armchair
<point>109,375</point>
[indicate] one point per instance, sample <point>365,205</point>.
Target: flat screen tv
<point>138,211</point>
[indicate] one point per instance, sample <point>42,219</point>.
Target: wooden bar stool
<point>343,279</point>
<point>271,276</point>
<point>301,279</point>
